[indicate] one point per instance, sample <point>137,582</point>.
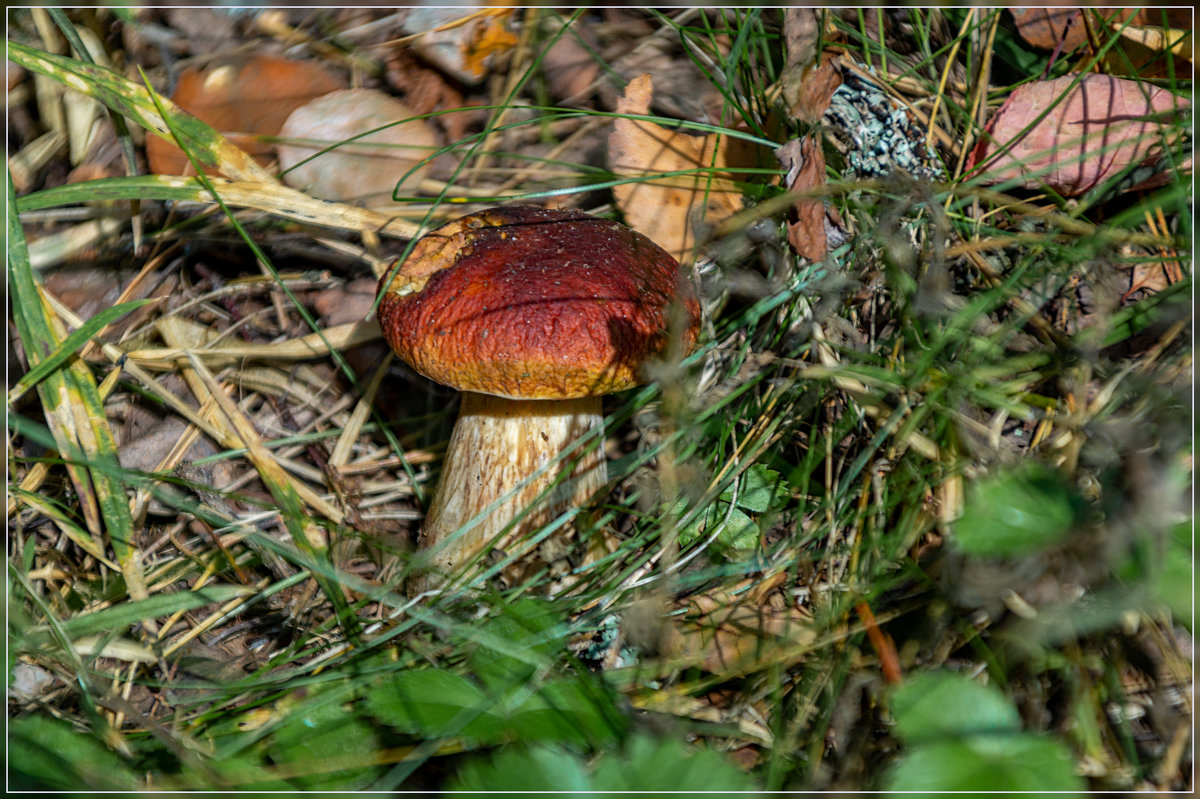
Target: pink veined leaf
<point>1102,126</point>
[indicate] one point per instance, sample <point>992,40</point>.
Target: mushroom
<point>533,314</point>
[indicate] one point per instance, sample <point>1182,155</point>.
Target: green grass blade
<point>118,617</point>
<point>272,198</point>
<point>72,402</point>
<point>134,101</point>
<point>68,346</point>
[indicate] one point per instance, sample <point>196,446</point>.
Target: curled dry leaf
<point>805,165</point>
<point>247,96</point>
<point>809,77</point>
<point>1102,125</point>
<point>365,170</point>
<point>668,209</point>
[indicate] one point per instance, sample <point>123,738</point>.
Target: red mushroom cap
<point>528,303</point>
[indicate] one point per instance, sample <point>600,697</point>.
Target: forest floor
<point>914,514</point>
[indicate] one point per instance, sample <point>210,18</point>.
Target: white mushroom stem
<point>508,453</point>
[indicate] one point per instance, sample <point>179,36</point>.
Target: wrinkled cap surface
<point>529,303</point>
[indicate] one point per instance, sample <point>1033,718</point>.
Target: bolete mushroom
<point>534,314</point>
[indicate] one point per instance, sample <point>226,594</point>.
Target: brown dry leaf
<point>345,304</point>
<point>1177,40</point>
<point>1046,27</point>
<point>570,68</point>
<point>1152,276</point>
<point>1144,38</point>
<point>809,78</point>
<point>1096,131</point>
<point>669,210</point>
<point>249,96</point>
<point>816,90</point>
<point>724,630</point>
<point>805,165</point>
<point>492,38</point>
<point>801,34</point>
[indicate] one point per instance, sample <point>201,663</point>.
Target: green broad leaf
<point>665,764</point>
<point>1017,512</point>
<point>46,754</point>
<point>526,627</point>
<point>985,764</point>
<point>1174,582</point>
<point>435,703</point>
<point>943,704</point>
<point>762,490</point>
<point>70,345</point>
<point>242,772</point>
<point>574,711</point>
<point>326,747</point>
<point>646,764</point>
<point>963,735</point>
<point>739,535</point>
<point>528,769</point>
<point>118,617</point>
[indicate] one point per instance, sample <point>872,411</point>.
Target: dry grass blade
<point>339,337</point>
<point>236,432</point>
<point>269,197</point>
<point>287,493</point>
<point>341,450</point>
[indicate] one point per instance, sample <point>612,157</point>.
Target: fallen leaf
<point>725,629</point>
<point>250,97</point>
<point>801,35</point>
<point>815,93</point>
<point>1145,35</point>
<point>1157,40</point>
<point>342,304</point>
<point>809,78</point>
<point>805,165</point>
<point>463,45</point>
<point>570,68</point>
<point>1046,28</point>
<point>1153,276</point>
<point>1099,128</point>
<point>669,210</point>
<point>365,170</point>
<point>426,90</point>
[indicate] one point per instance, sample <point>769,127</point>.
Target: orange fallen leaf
<point>248,96</point>
<point>671,210</point>
<point>1103,125</point>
